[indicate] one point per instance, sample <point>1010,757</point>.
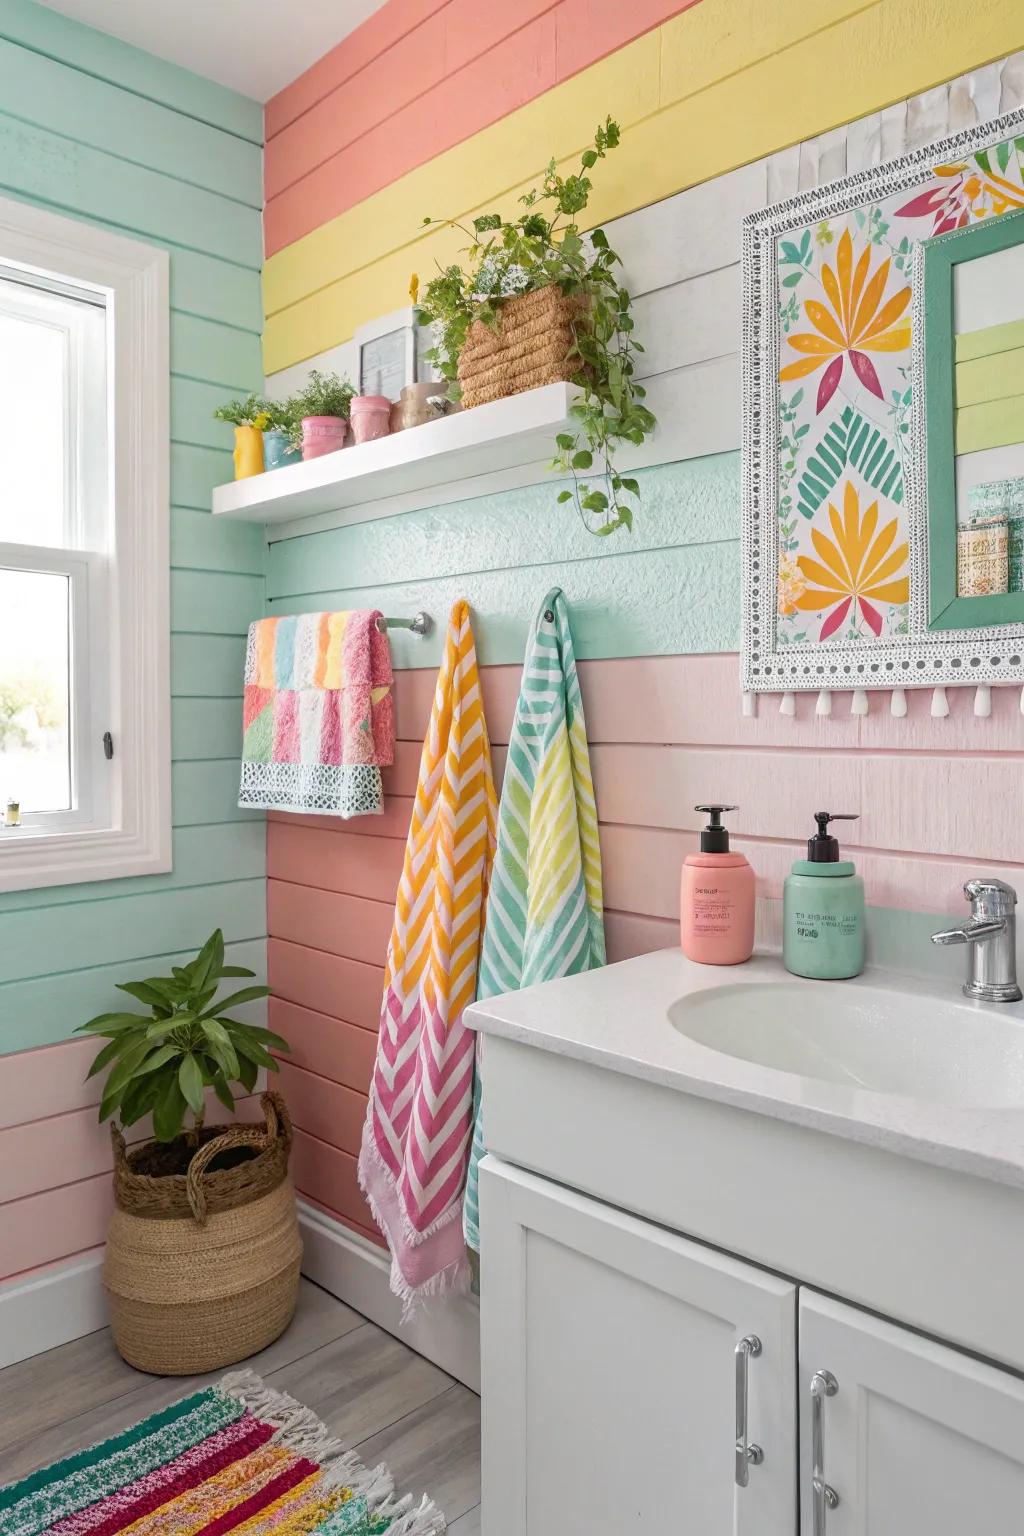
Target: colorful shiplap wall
<point>99,131</point>
<point>725,105</point>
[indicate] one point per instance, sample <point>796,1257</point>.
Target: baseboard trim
<point>51,1307</point>
<point>445,1331</point>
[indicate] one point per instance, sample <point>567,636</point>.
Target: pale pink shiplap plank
<point>379,32</point>
<point>642,867</point>
<point>342,925</point>
<point>952,804</point>
<point>332,1047</point>
<point>47,1081</point>
<point>335,861</point>
<point>354,1226</point>
<point>49,1226</point>
<point>453,109</point>
<point>326,983</point>
<point>392,822</point>
<point>627,934</point>
<point>67,1148</point>
<point>328,1176</point>
<point>401,777</point>
<point>323,1108</point>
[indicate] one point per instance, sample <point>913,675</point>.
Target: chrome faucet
<point>990,934</point>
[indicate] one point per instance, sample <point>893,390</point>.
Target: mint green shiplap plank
<point>207,666</point>
<point>68,938</point>
<point>203,792</point>
<point>195,472</point>
<point>61,99</point>
<point>692,502</point>
<point>651,603</point>
<point>192,406</point>
<point>208,543</point>
<point>76,178</point>
<point>46,1010</point>
<point>214,289</point>
<point>220,354</point>
<point>121,65</point>
<point>205,855</point>
<point>206,602</point>
<point>205,729</point>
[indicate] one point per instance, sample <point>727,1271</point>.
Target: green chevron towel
<point>544,912</point>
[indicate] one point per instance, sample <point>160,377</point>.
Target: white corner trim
<point>134,280</point>
<point>445,1331</point>
<point>51,1306</point>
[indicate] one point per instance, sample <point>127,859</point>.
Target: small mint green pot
<point>823,920</point>
<point>276,453</point>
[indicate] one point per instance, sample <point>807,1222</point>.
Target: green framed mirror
<point>970,353</point>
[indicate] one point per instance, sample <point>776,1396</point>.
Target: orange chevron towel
<point>415,1148</point>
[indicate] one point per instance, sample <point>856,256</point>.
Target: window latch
<point>108,745</point>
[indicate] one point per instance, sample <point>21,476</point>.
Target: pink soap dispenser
<point>716,899</point>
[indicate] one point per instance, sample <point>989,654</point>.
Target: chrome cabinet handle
<point>823,1498</point>
<point>746,1454</point>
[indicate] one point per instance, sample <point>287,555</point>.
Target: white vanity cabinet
<point>625,1368</point>
<point>918,1439</point>
<point>614,1362</point>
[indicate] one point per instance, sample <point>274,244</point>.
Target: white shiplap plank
<point>691,322</point>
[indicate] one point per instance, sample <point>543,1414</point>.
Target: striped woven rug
<point>236,1457</point>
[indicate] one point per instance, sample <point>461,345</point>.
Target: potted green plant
<point>321,412</point>
<point>247,417</point>
<point>278,435</point>
<point>538,301</point>
<point>203,1252</point>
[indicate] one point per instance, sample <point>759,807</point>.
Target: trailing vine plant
<point>544,246</point>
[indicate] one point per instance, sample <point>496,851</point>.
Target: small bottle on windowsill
<point>12,813</point>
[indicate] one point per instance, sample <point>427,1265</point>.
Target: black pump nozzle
<point>822,849</point>
<point>715,838</point>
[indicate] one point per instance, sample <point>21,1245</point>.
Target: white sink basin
<point>873,1038</point>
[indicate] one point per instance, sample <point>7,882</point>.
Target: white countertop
<point>618,1019</point>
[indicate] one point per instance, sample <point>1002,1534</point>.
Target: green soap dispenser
<point>823,910</point>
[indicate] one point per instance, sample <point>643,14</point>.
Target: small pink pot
<point>371,417</point>
<point>322,434</point>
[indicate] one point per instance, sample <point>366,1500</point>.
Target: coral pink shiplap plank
<point>343,925</point>
<point>393,822</point>
<point>326,983</point>
<point>328,1176</point>
<point>323,1108</point>
<point>346,129</point>
<point>381,31</point>
<point>53,1224</point>
<point>47,1081</point>
<point>627,934</point>
<point>319,1043</point>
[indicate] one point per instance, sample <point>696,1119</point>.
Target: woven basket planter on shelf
<point>203,1253</point>
<point>531,345</point>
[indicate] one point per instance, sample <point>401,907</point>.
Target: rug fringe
<point>298,1429</point>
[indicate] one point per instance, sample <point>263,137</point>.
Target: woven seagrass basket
<point>530,345</point>
<point>202,1266</point>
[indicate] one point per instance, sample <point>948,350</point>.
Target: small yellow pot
<point>248,454</point>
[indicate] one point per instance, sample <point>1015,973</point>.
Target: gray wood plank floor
<point>380,1398</point>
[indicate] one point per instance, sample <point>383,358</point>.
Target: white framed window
<point>84,553</point>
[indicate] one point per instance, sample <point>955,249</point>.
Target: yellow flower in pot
<point>248,417</point>
<point>203,1252</point>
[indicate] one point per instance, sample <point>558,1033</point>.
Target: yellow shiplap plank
<point>1007,337</point>
<point>825,65</point>
<point>996,424</point>
<point>996,377</point>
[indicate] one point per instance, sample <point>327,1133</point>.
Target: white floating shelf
<point>509,441</point>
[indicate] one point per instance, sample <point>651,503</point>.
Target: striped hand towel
<point>544,912</point>
<point>415,1147</point>
<point>318,714</point>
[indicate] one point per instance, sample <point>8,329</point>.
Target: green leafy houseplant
<point>544,246</point>
<point>250,412</point>
<point>162,1061</point>
<point>325,394</point>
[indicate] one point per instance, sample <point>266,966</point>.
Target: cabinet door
<point>610,1374</point>
<point>919,1440</point>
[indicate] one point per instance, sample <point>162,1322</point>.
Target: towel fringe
<point>298,1429</point>
<point>453,1280</point>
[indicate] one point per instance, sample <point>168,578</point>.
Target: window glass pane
<point>33,394</point>
<point>35,759</point>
